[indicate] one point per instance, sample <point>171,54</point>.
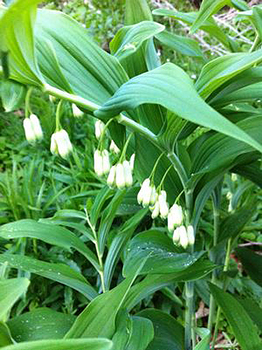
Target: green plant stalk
<point>212,303</point>
<point>189,314</point>
<point>255,43</point>
<point>178,166</point>
<point>227,260</point>
<point>98,253</point>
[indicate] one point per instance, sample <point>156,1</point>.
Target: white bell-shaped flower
<point>163,204</point>
<point>111,179</point>
<point>145,187</point>
<point>29,131</point>
<point>106,162</point>
<point>175,217</point>
<point>183,237</point>
<point>155,210</point>
<point>98,163</point>
<point>61,144</point>
<point>113,148</point>
<point>99,128</point>
<point>120,176</point>
<point>127,174</point>
<point>191,235</point>
<point>176,235</point>
<point>36,127</point>
<point>132,161</point>
<point>77,111</point>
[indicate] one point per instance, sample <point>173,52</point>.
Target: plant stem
<point>227,260</point>
<point>255,43</point>
<point>212,303</point>
<point>189,314</point>
<point>98,253</point>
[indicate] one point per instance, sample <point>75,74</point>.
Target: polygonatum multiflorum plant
<point>173,141</point>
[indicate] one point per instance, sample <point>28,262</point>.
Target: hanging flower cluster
<point>101,162</point>
<point>120,174</point>
<point>61,144</point>
<point>32,128</point>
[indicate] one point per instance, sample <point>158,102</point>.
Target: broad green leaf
<point>40,324</point>
<point>20,43</point>
<point>171,87</point>
<point>207,9</point>
<point>12,95</point>
<point>240,322</point>
<point>107,219</point>
<point>119,243</point>
<point>234,223</point>
<point>98,318</point>
<point>57,272</point>
<point>247,77</point>
<point>85,59</point>
<point>48,233</point>
<point>104,194</point>
<point>249,93</point>
<point>154,282</point>
<point>5,335</point>
<point>169,334</point>
<point>251,172</point>
<point>137,11</point>
<point>163,256</point>
<point>207,156</point>
<point>253,310</point>
<point>128,39</point>
<point>181,44</point>
<point>204,333</point>
<point>252,263</point>
<point>63,344</point>
<point>209,25</point>
<point>10,291</point>
<point>132,333</point>
<point>257,19</point>
<point>221,69</point>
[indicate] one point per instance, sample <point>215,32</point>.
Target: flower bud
<point>77,111</point>
<point>191,235</point>
<point>99,128</point>
<point>183,237</point>
<point>163,205</point>
<point>52,98</point>
<point>175,217</point>
<point>120,176</point>
<point>29,131</point>
<point>153,195</point>
<point>144,187</point>
<point>36,127</point>
<point>176,235</point>
<point>132,161</point>
<point>63,143</point>
<point>112,176</point>
<point>106,162</point>
<point>155,210</point>
<point>98,163</point>
<point>113,148</point>
<point>128,174</point>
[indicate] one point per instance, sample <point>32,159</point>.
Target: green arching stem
<point>123,154</point>
<point>100,143</point>
<point>227,260</point>
<point>98,253</point>
<point>212,303</point>
<point>28,110</point>
<point>164,176</point>
<point>57,116</point>
<point>152,175</point>
<point>255,43</point>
